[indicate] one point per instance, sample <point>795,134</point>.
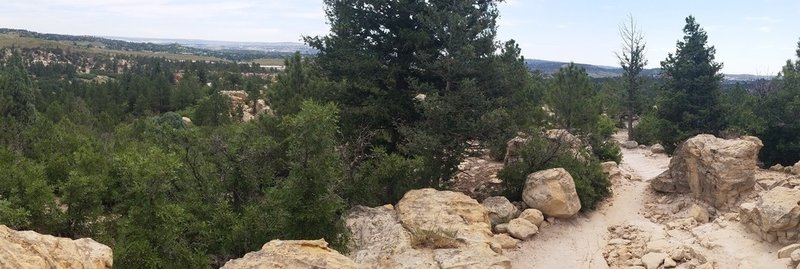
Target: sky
<point>753,37</point>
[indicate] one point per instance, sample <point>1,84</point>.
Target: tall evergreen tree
<point>632,60</point>
<point>690,102</point>
<point>390,52</point>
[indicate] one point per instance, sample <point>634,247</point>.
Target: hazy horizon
<point>751,37</point>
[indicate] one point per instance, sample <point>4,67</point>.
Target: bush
<point>382,180</point>
<point>540,154</point>
<point>646,132</point>
<point>607,151</point>
<point>605,127</point>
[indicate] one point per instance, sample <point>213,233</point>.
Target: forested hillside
<point>150,155</point>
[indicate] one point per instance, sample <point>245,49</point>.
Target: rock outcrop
<point>299,254</point>
<point>553,192</point>
<point>714,170</point>
<point>427,229</point>
<point>239,99</point>
<point>28,249</point>
<point>775,216</point>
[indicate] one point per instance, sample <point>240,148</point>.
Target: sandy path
<point>578,243</point>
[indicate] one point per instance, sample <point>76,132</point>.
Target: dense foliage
<point>97,145</point>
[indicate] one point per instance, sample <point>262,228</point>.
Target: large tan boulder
<point>500,209</point>
<point>713,169</point>
<point>775,216</point>
<point>28,249</point>
<point>553,192</point>
<point>378,240</point>
<point>426,229</point>
<point>299,254</point>
<point>445,211</point>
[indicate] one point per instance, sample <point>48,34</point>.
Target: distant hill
<point>232,51</point>
<point>601,71</point>
<point>274,47</point>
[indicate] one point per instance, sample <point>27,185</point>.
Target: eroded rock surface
<point>28,249</point>
<point>775,216</point>
<point>712,169</point>
<point>427,229</point>
<point>298,254</point>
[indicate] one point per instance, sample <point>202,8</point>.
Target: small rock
<point>787,251</point>
<point>521,228</point>
<point>653,260</point>
<point>670,263</point>
<point>533,215</point>
<point>699,213</point>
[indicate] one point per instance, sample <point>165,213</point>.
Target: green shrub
<point>605,126</point>
<point>607,151</point>
<point>646,132</point>
<point>382,180</point>
<point>540,154</point>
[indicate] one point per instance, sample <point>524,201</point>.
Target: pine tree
<point>632,60</point>
<point>690,102</point>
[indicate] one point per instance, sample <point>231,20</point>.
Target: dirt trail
<point>579,243</point>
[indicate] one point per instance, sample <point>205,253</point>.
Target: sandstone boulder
<point>522,229</point>
<point>775,216</point>
<point>377,237</point>
<point>533,215</point>
<point>500,209</point>
<point>450,212</point>
<point>611,169</point>
<point>564,138</point>
<point>293,254</point>
<point>28,249</point>
<point>432,210</point>
<point>552,192</point>
<point>714,170</point>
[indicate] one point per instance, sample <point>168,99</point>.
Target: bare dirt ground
<point>581,242</point>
